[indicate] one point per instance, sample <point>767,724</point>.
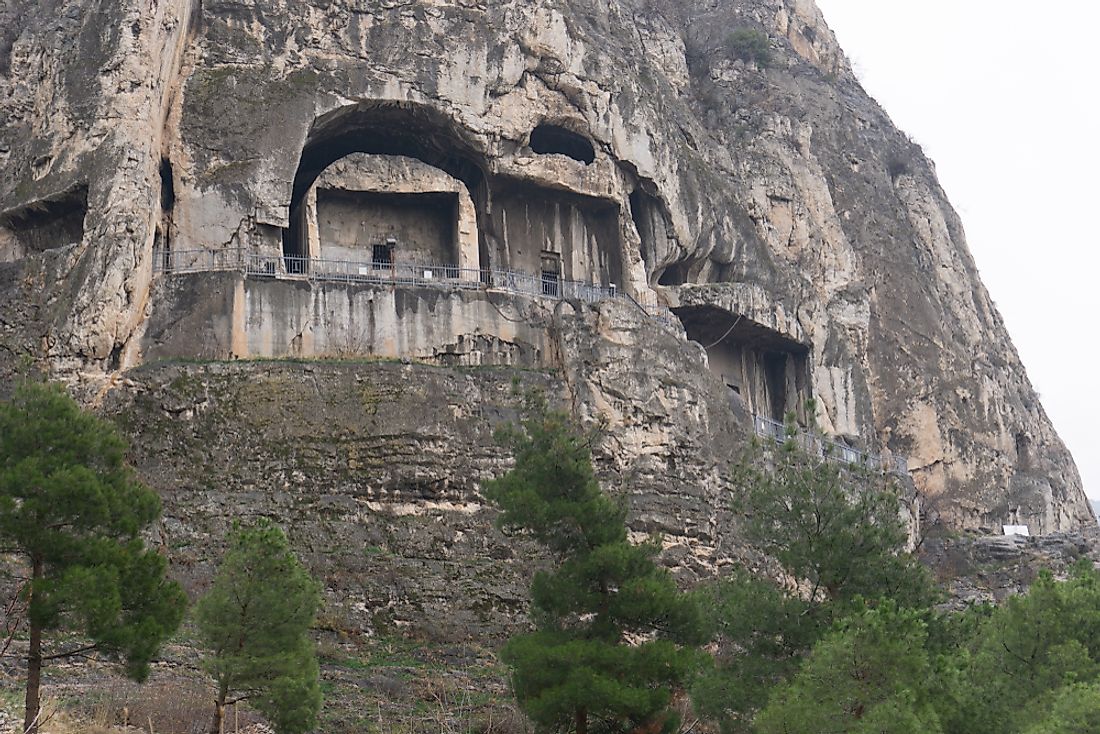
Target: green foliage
<point>559,676</point>
<point>1028,649</point>
<point>552,492</point>
<point>1075,710</point>
<point>73,509</point>
<point>764,633</point>
<point>255,623</point>
<point>840,534</point>
<point>871,675</point>
<point>749,44</point>
<point>859,648</point>
<point>838,530</point>
<point>614,636</point>
<point>1031,666</point>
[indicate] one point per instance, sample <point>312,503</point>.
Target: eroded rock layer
<point>625,143</point>
<point>374,468</point>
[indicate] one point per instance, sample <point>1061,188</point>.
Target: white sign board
<point>1016,530</point>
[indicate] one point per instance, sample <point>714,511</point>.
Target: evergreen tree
<point>73,510</point>
<point>871,675</point>
<point>614,636</point>
<point>1075,709</point>
<point>255,623</point>
<point>764,633</point>
<point>838,533</point>
<point>1029,648</point>
<point>835,527</point>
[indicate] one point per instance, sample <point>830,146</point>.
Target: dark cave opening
<point>548,139</point>
<point>675,274</point>
<point>775,377</point>
<point>1023,451</point>
<point>162,242</point>
<point>51,223</point>
<point>765,370</point>
<point>167,187</point>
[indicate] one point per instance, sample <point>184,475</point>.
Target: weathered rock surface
<point>374,468</point>
<point>989,569</point>
<point>131,123</point>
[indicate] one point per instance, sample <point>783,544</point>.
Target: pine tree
<point>870,675</point>
<point>836,531</point>
<point>73,510</point>
<point>614,636</point>
<point>1028,648</point>
<point>255,623</point>
<point>1073,709</point>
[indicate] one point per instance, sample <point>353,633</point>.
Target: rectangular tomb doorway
<point>387,228</point>
<point>551,274</point>
<point>766,370</point>
<point>382,255</point>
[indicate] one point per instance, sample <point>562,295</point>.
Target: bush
<point>749,44</point>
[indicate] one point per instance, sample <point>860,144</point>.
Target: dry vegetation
<point>372,685</point>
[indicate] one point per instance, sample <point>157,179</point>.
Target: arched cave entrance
<point>393,130</point>
<point>519,225</point>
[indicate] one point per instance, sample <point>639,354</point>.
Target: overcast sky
<point>1004,97</point>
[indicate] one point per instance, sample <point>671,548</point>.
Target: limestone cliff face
<point>374,467</point>
<point>694,177</point>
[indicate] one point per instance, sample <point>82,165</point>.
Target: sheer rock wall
<point>186,122</point>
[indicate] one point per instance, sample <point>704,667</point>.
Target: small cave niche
<point>548,139</point>
<point>162,241</point>
<point>167,187</point>
<point>675,274</point>
<point>766,372</point>
<point>1023,451</point>
<point>44,225</point>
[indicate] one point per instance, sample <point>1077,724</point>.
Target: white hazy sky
<point>1005,98</point>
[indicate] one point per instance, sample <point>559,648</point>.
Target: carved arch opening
<point>397,129</point>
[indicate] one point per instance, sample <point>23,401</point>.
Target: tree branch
<point>9,614</point>
<point>71,653</point>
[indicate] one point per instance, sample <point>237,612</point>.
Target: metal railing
<point>830,450</point>
<point>397,274</point>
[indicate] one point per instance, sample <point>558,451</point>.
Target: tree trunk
<point>219,712</point>
<point>34,661</point>
<point>582,720</point>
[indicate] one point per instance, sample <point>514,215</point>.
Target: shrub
<point>749,44</point>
